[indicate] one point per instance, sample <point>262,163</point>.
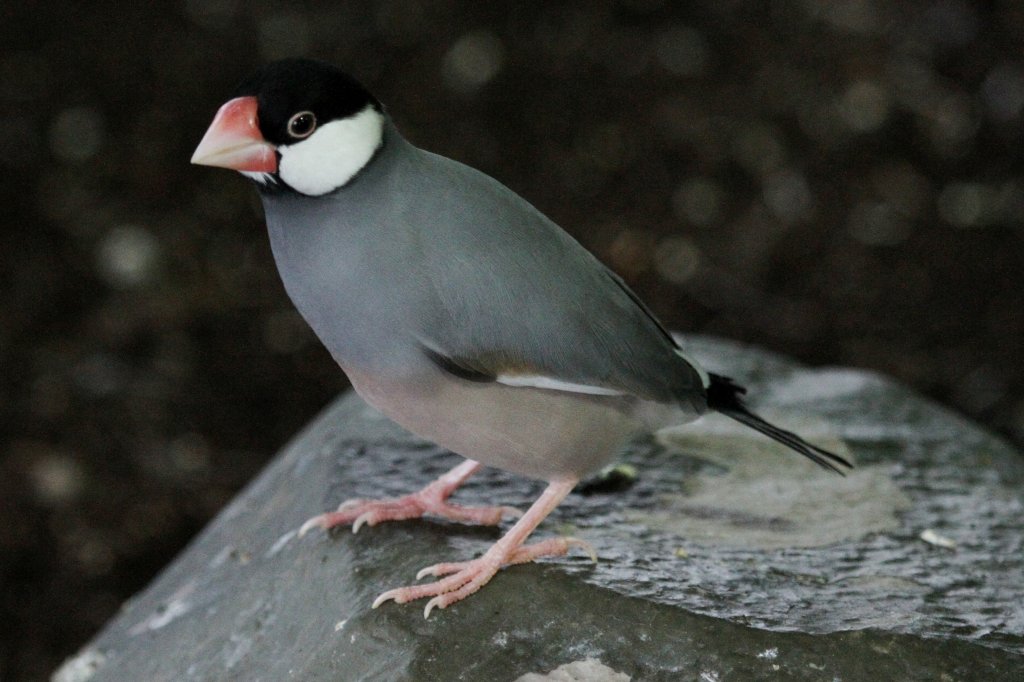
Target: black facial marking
<point>291,86</point>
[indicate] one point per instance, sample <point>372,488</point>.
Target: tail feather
<point>724,396</point>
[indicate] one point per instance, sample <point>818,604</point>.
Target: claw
<point>436,601</point>
<point>383,597</point>
<point>437,570</point>
<point>361,520</point>
<point>348,504</point>
<point>311,524</point>
<point>584,545</point>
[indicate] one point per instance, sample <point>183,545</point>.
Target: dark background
<point>840,181</point>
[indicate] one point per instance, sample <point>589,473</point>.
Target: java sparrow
<point>455,308</point>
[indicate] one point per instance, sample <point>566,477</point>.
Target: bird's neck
<point>341,255</point>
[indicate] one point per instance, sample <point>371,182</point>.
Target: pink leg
<point>430,500</point>
<point>469,576</point>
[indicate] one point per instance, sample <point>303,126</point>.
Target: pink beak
<point>234,140</point>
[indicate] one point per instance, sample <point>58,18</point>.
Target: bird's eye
<point>302,124</point>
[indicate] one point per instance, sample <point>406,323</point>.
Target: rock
<point>726,558</point>
<point>587,670</point>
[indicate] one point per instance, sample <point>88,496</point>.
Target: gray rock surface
<point>727,558</point>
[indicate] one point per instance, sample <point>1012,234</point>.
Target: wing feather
<point>519,297</point>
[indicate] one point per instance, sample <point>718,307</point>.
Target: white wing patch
<point>539,381</point>
<point>535,381</point>
<point>333,154</point>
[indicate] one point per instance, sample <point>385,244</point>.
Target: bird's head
<point>295,125</point>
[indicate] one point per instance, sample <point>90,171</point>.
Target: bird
<point>458,310</point>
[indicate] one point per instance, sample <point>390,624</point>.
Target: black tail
<point>724,396</point>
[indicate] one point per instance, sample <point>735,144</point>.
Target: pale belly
<point>539,433</point>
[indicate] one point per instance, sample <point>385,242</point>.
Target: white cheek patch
<point>333,154</point>
<point>553,384</point>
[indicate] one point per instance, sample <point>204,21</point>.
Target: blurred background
<point>837,180</point>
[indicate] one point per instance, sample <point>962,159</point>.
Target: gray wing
<point>520,297</point>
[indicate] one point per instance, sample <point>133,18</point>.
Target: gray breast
<point>349,262</point>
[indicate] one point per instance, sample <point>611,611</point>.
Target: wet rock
<point>726,558</point>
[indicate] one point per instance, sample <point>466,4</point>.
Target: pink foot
<point>466,577</point>
<point>430,500</point>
